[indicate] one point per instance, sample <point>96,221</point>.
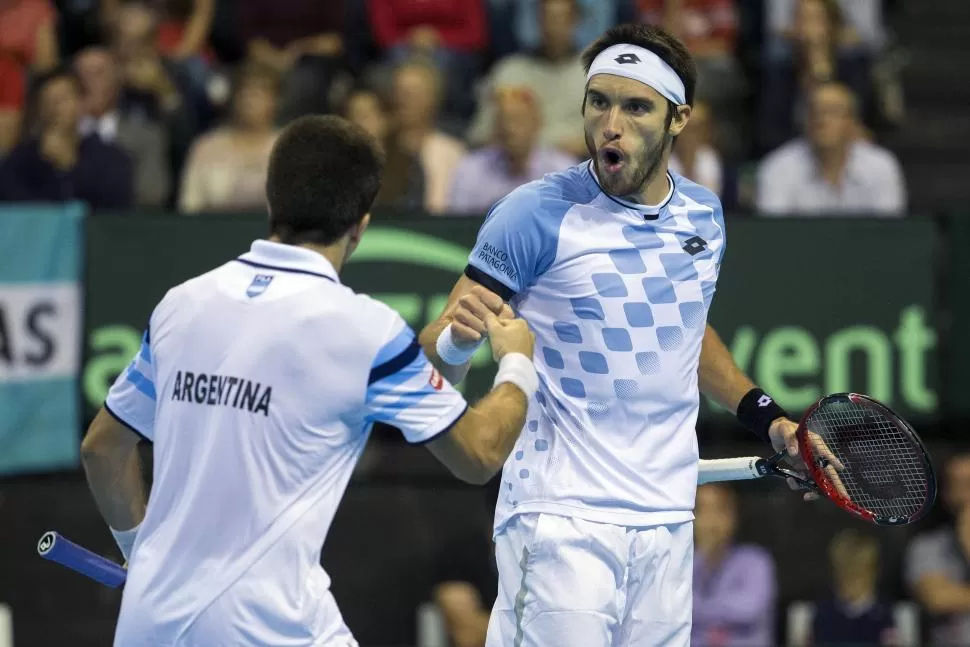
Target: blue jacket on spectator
<point>103,175</point>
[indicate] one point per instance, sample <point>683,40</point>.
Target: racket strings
<point>884,472</point>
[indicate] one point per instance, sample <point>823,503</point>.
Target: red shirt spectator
<point>27,40</point>
<point>458,25</point>
<point>705,26</point>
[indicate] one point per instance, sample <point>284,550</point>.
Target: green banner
<point>806,307</point>
<point>957,284</point>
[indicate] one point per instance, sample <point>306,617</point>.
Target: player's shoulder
<point>550,197</point>
<point>696,194</point>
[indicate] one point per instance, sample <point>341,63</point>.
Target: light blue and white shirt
<point>258,384</point>
<point>617,295</point>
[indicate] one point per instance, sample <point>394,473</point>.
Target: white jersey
<point>258,384</point>
<point>617,295</point>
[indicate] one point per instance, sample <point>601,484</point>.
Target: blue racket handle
<point>54,547</point>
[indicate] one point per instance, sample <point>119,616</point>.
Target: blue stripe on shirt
<point>146,352</point>
<point>140,382</point>
<point>396,363</point>
<point>388,412</point>
<point>392,382</point>
<point>394,347</point>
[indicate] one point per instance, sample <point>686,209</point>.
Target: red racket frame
<point>817,471</point>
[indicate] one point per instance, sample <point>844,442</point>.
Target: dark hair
<point>60,72</point>
<point>670,50</point>
<point>31,124</point>
<point>324,173</point>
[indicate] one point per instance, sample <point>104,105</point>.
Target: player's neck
<point>336,253</point>
<point>656,189</point>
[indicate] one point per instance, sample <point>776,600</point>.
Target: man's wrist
<point>453,352</point>
<point>758,411</point>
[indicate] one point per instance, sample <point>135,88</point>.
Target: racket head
<point>888,478</point>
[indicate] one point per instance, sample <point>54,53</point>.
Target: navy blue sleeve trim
<point>396,363</point>
<point>445,430</point>
<point>489,282</point>
<point>125,422</point>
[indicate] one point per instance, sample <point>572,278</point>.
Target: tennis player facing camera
<point>614,264</point>
<point>258,383</point>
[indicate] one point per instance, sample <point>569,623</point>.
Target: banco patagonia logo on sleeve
<point>222,390</point>
<point>498,259</point>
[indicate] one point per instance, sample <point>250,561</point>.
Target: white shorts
<point>574,583</point>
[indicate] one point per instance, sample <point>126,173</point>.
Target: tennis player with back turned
<point>258,383</point>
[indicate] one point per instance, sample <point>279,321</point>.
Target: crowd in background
<point>175,104</point>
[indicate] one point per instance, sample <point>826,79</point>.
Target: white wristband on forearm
<point>450,352</point>
<point>125,539</point>
<point>517,369</point>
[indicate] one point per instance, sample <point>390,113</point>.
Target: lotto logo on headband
<point>641,65</point>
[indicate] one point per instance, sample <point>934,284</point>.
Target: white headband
<point>640,65</point>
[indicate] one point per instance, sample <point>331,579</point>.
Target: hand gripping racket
<point>858,453</point>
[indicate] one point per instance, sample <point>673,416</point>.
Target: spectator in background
<point>938,562</point>
<point>709,29</point>
<point>416,97</point>
<point>402,183</point>
<point>151,89</point>
<point>453,33</point>
<point>734,585</point>
<point>486,175</point>
<point>832,171</point>
<point>184,25</point>
<point>365,108</point>
<point>863,27</point>
<point>556,76</point>
<point>303,40</point>
<point>817,57</point>
<point>227,167</point>
<point>853,614</point>
<point>593,18</point>
<point>28,45</point>
<point>694,156</point>
<point>60,164</point>
<point>145,142</point>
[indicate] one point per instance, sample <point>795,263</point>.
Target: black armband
<point>757,410</point>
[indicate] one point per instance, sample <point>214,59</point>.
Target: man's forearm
<point>719,377</point>
<point>114,477</point>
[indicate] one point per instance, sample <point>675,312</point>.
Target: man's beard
<point>640,175</point>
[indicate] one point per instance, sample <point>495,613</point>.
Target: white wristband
<point>450,352</point>
<point>125,539</point>
<point>517,369</point>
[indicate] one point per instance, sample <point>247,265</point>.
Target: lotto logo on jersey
<point>764,401</point>
<point>436,381</point>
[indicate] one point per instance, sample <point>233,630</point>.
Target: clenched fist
<point>468,324</point>
<point>509,335</point>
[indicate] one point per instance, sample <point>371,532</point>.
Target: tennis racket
<point>858,453</point>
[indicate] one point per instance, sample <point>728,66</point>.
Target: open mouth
<point>611,160</point>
